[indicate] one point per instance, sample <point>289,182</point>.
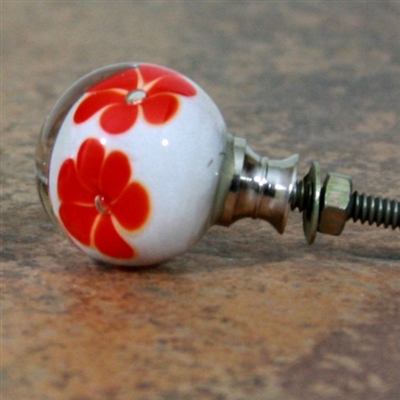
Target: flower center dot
<point>135,96</point>
<point>101,205</point>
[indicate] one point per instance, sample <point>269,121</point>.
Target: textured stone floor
<point>247,313</point>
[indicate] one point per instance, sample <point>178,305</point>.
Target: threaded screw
<point>321,202</point>
<point>374,210</point>
<point>300,196</point>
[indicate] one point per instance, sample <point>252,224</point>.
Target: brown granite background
<point>247,313</point>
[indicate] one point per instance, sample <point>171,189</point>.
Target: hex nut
<point>335,201</point>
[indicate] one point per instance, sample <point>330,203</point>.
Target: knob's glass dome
<point>129,162</point>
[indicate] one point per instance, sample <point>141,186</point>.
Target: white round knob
<point>129,161</point>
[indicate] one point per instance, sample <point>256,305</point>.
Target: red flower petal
<point>127,80</point>
<point>151,72</point>
<point>95,102</point>
<point>119,118</point>
<point>78,220</point>
<point>133,208</point>
<point>172,84</point>
<point>70,188</point>
<point>108,241</point>
<point>90,160</point>
<point>160,108</point>
<point>114,176</point>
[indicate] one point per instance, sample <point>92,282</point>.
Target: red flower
<point>96,195</point>
<point>149,88</point>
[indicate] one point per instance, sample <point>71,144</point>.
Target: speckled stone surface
<point>247,314</point>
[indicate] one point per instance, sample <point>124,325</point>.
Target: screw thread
<point>363,208</point>
<point>301,196</point>
<point>376,210</point>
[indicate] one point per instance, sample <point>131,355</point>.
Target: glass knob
<point>134,163</point>
<point>129,162</point>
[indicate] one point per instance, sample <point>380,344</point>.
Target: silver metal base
<point>259,187</point>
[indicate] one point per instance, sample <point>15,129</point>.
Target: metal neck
<point>259,187</point>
